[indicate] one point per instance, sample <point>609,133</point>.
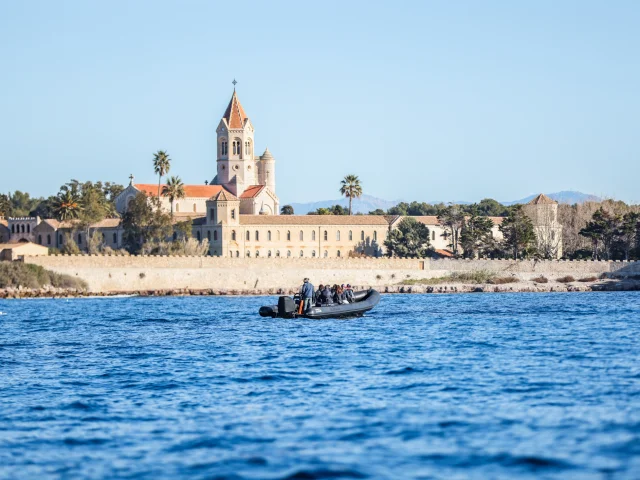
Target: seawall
<point>105,273</point>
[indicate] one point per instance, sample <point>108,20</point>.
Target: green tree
<point>286,210</point>
<point>519,236</point>
<point>602,230</point>
<point>145,223</point>
<point>161,165</point>
<point>409,240</point>
<point>452,218</point>
<point>627,232</point>
<point>377,211</point>
<point>22,204</point>
<point>491,208</point>
<point>174,189</point>
<point>5,205</point>
<point>338,210</point>
<point>351,188</point>
<point>401,209</point>
<point>475,235</point>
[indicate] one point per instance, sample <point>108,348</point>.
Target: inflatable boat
<point>288,307</point>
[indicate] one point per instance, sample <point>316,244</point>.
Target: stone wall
<point>128,273</point>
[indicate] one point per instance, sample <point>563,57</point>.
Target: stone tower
<point>543,212</point>
<point>236,165</point>
<point>267,169</point>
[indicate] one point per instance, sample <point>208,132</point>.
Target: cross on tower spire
<point>234,84</point>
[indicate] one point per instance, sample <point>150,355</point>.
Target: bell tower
<point>236,166</point>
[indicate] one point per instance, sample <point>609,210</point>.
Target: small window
<point>13,229</point>
<point>215,235</point>
<point>28,228</point>
<point>269,254</point>
<point>288,235</point>
<point>49,239</point>
<point>209,235</point>
<point>301,254</point>
<point>60,239</point>
<point>212,214</point>
<point>269,235</point>
<point>433,235</point>
<point>350,235</point>
<point>79,239</point>
<point>22,228</point>
<point>288,253</point>
<point>362,235</point>
<point>301,236</point>
<point>375,236</point>
<point>248,236</point>
<point>338,235</point>
<point>194,208</point>
<point>248,254</point>
<point>326,236</point>
<point>198,235</point>
<point>338,253</point>
<point>233,235</point>
<point>313,253</point>
<point>233,213</point>
<point>115,238</point>
<point>277,253</point>
<point>257,253</point>
<point>313,235</point>
<point>257,236</point>
<point>326,254</point>
<point>237,253</point>
<point>40,239</point>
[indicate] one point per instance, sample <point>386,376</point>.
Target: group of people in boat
<point>325,295</point>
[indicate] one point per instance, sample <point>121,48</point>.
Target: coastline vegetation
<point>474,277</point>
<point>16,274</point>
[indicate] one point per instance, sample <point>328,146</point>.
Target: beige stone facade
<point>17,251</point>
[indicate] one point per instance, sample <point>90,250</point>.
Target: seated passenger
<point>338,295</point>
<point>325,297</point>
<point>348,294</point>
<point>317,296</point>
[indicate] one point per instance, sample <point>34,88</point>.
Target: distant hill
<point>569,197</point>
<point>364,204</point>
<point>368,203</point>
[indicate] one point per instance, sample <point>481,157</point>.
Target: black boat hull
<point>364,301</point>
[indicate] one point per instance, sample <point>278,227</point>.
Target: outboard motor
<point>286,307</point>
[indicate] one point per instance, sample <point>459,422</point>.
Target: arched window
<point>326,254</point>
<point>433,235</point>
<point>209,235</point>
<point>237,253</point>
<point>224,147</point>
<point>257,236</point>
<point>268,235</point>
<point>338,253</point>
<point>115,238</point>
<point>248,236</point>
<point>350,235</point>
<point>375,236</point>
<point>288,235</point>
<point>49,239</point>
<point>313,253</point>
<point>40,239</point>
<point>13,229</point>
<point>301,235</point>
<point>362,235</point>
<point>233,235</point>
<point>177,207</point>
<point>79,239</point>
<point>28,228</point>
<point>301,254</point>
<point>234,148</point>
<point>269,254</point>
<point>22,228</point>
<point>198,235</point>
<point>257,253</point>
<point>326,236</point>
<point>313,235</point>
<point>277,253</point>
<point>288,253</point>
<point>248,254</point>
<point>338,235</point>
<point>194,208</point>
<point>233,214</point>
<point>215,235</point>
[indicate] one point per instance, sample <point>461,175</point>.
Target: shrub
<point>501,280</point>
<point>541,279</point>
<point>15,274</point>
<point>476,276</point>
<point>588,279</point>
<point>566,279</point>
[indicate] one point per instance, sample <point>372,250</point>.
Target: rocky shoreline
<point>606,285</point>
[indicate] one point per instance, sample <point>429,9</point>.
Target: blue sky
<point>423,100</point>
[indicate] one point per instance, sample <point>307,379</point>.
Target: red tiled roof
<point>444,253</point>
<point>234,114</point>
<point>433,220</point>
<point>346,220</point>
<point>190,191</point>
<point>252,191</point>
<point>224,196</point>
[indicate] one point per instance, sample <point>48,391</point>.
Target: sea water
<point>424,386</point>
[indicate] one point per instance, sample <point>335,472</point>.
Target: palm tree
<point>286,210</point>
<point>351,188</point>
<point>66,205</point>
<point>174,189</point>
<point>161,165</point>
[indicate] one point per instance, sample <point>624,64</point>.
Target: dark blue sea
<point>511,386</point>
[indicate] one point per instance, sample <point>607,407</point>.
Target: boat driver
<point>306,294</point>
